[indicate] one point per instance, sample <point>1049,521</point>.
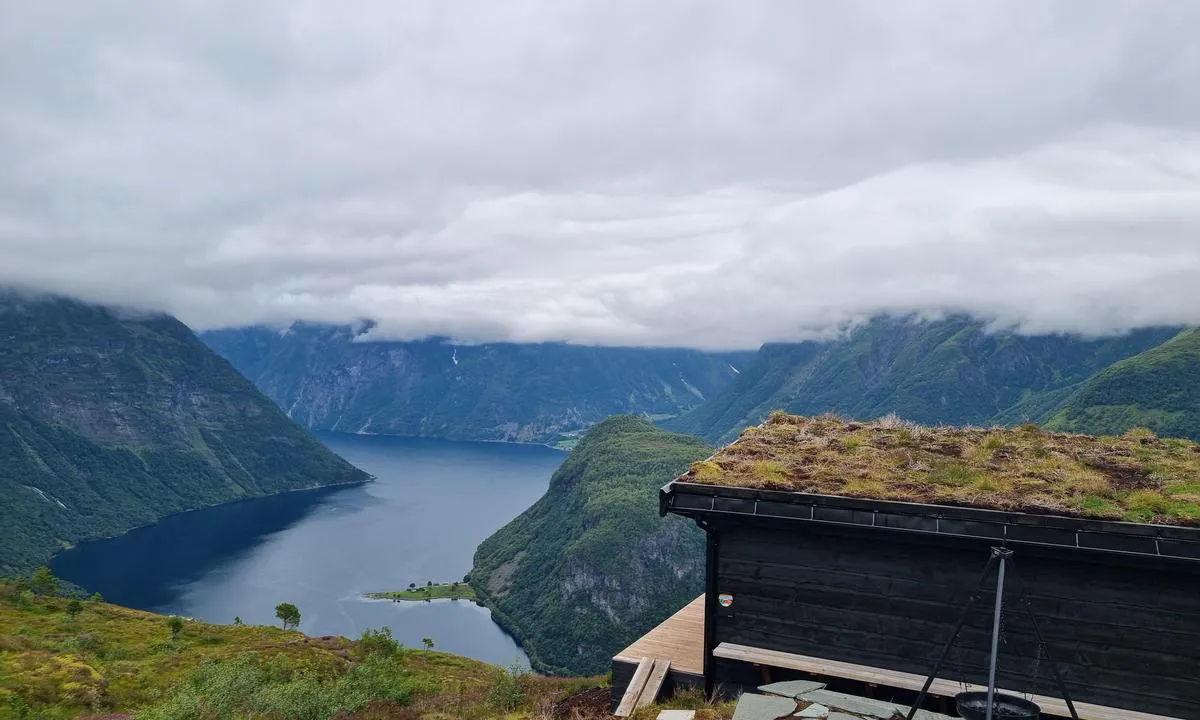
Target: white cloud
<point>616,172</point>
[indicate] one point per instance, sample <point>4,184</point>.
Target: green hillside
<point>104,661</point>
<point>327,378</point>
<point>1158,389</point>
<point>110,420</point>
<point>591,566</point>
<point>952,371</point>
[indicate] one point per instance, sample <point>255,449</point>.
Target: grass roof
<point>1135,477</point>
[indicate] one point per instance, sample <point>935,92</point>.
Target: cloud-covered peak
<point>606,172</point>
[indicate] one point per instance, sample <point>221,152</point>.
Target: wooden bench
<point>908,681</point>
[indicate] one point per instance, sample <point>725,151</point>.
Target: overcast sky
<point>665,172</point>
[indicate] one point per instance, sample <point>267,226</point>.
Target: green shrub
<point>510,689</point>
<point>378,643</point>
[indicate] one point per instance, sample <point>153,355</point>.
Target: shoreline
<point>442,438</point>
<point>370,479</point>
<point>428,593</point>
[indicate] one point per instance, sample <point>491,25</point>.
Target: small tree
<point>176,625</point>
<point>427,642</point>
<point>428,583</point>
<point>288,614</point>
<point>96,598</point>
<point>412,586</point>
<point>237,619</point>
<point>74,607</point>
<point>43,582</point>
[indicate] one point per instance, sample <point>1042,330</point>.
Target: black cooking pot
<point>973,706</point>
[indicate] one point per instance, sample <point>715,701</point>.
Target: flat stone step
<point>763,707</point>
<point>852,703</point>
<point>791,688</point>
<point>677,715</point>
<point>816,710</point>
<point>866,706</point>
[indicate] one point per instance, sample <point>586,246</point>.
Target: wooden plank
<point>908,681</point>
<point>634,690</point>
<point>679,638</point>
<point>654,682</point>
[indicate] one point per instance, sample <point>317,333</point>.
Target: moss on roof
<point>1135,477</point>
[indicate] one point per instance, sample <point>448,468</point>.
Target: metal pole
<point>991,694</point>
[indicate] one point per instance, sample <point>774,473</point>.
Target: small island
<point>430,591</point>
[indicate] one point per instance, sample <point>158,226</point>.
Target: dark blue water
<point>432,504</point>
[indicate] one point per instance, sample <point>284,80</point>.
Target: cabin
<point>849,552</point>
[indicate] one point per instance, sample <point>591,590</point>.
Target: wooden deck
<point>679,638</point>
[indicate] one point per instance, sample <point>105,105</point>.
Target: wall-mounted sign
<point>725,599</point>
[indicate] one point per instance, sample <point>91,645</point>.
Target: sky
<point>712,175</point>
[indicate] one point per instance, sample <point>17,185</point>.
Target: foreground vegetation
<point>591,566</point>
<point>440,591</point>
<point>63,658</point>
<point>1137,476</point>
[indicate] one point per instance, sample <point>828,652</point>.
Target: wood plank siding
<point>1125,630</point>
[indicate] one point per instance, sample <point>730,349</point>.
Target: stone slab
<point>842,716</point>
<point>816,710</point>
<point>763,707</point>
<point>852,703</point>
<point>677,715</point>
<point>791,688</point>
<point>923,714</point>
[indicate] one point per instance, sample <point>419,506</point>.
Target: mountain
<point>110,420</point>
<point>327,378</point>
<point>591,566</point>
<point>950,371</point>
<point>1158,389</point>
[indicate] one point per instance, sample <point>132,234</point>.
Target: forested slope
<point>591,566</point>
<point>110,420</point>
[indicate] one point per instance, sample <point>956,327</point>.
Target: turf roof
<point>1136,477</point>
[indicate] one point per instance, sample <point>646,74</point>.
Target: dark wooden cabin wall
<point>1126,636</point>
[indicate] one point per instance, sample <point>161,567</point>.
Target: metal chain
<point>1037,670</point>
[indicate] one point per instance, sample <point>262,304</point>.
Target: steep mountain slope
<point>1158,389</point>
<point>109,421</point>
<point>950,371</point>
<point>591,566</point>
<point>324,379</point>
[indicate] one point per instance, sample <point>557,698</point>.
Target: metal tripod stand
<point>1001,557</point>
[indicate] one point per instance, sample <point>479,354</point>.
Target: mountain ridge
<point>110,420</point>
<point>326,377</point>
<point>1158,389</point>
<point>951,371</point>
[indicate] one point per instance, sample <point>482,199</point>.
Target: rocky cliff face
<point>325,377</point>
<point>110,420</point>
<point>591,566</point>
